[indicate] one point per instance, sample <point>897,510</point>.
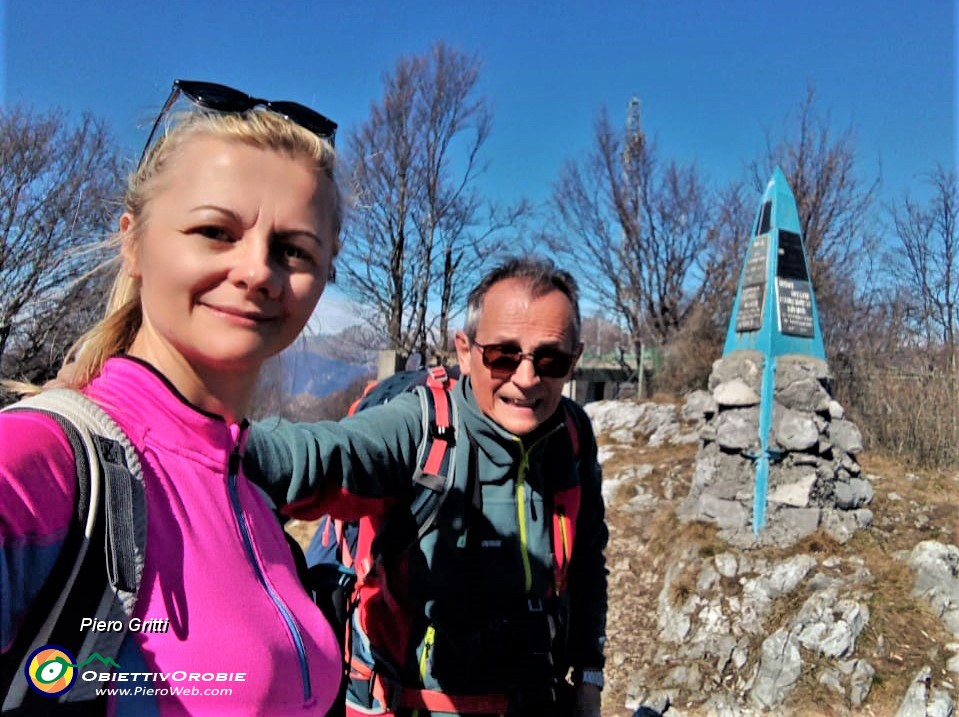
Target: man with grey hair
<point>500,607</point>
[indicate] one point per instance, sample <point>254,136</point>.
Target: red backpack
<point>332,554</point>
<point>342,554</point>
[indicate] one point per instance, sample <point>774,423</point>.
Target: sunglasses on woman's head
<point>504,359</point>
<point>221,98</point>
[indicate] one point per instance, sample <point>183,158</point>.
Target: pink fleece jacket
<point>217,565</point>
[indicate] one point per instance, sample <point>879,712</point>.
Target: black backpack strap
<point>100,566</point>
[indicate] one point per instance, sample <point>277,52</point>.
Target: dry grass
<point>902,636</point>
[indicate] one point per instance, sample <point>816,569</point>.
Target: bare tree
<point>41,345</point>
<point>57,181</point>
<point>834,206</point>
<point>733,215</point>
<point>637,230</point>
<point>929,237</point>
<point>415,236</point>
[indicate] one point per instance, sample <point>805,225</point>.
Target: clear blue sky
<point>713,76</point>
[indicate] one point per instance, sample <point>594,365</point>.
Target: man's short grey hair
<point>539,274</point>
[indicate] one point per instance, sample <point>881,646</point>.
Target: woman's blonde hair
<point>258,128</point>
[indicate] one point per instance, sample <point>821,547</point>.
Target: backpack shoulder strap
<point>87,583</point>
<point>433,477</point>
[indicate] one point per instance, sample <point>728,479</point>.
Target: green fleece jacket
<point>494,552</point>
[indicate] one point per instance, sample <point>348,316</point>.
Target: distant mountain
<point>310,372</point>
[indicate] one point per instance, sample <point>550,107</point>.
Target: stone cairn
<point>814,477</point>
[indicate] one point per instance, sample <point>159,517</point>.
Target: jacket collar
<point>500,446</point>
<point>144,402</point>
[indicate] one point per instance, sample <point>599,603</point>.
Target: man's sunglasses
<point>504,359</point>
<point>221,98</point>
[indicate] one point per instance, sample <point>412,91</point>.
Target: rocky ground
<point>698,628</point>
<point>707,629</point>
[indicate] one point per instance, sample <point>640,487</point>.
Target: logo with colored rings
<point>51,671</point>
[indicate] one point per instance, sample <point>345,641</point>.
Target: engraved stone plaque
<point>755,271</point>
<point>750,316</point>
<point>795,307</point>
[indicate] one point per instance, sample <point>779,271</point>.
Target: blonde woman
<point>229,230</point>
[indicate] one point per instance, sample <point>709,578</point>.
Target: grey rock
<point>687,677</point>
<point>707,578</point>
<point>937,579</point>
<point>738,429</point>
<point>745,365</point>
<point>914,702</point>
<point>860,683</point>
<point>805,459</point>
<point>846,436</point>
<point>795,431</point>
<point>674,620</point>
<point>707,468</point>
<point>647,418</point>
<point>780,666</point>
<point>821,581</point>
<point>805,394</point>
<point>864,517</point>
<point>836,410</point>
<point>622,435</point>
<point>699,406</point>
<point>796,494</point>
<point>739,657</point>
<point>604,453</point>
<point>796,367</point>
<point>781,580</point>
<point>726,565</point>
<point>659,422</point>
<point>862,491</point>
<point>941,704</point>
<point>725,513</point>
<point>680,438</point>
<point>833,680</point>
<point>723,705</point>
<point>952,664</point>
<point>850,464</point>
<point>854,494</point>
<point>707,433</point>
<point>840,525</point>
<point>830,626</point>
<point>787,526</point>
<point>735,393</point>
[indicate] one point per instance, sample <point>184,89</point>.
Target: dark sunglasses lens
<point>506,359</point>
<point>216,97</point>
<point>305,117</point>
<point>552,364</point>
<point>502,358</point>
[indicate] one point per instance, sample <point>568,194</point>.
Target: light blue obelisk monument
<point>775,309</point>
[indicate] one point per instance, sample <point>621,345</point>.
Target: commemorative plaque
<point>753,294</point>
<point>795,307</point>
